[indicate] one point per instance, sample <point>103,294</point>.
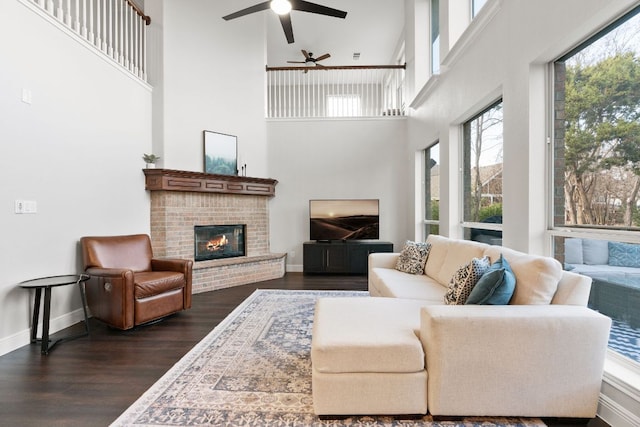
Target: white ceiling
<point>372,27</point>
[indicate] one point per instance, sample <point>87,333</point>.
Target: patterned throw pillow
<point>413,257</point>
<point>464,280</point>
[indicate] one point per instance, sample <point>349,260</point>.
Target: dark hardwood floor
<point>90,381</point>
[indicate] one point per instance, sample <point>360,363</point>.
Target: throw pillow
<point>573,251</point>
<point>465,279</point>
<point>624,254</point>
<point>595,252</point>
<point>496,286</point>
<point>413,257</point>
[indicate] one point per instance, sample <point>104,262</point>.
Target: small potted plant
<point>150,160</point>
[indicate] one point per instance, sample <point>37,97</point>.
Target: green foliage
<point>150,158</point>
<point>602,110</point>
<point>489,211</point>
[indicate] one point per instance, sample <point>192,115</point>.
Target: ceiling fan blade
<point>306,6</point>
<point>306,54</point>
<point>320,65</point>
<point>325,56</point>
<point>296,62</point>
<point>285,20</point>
<point>252,9</point>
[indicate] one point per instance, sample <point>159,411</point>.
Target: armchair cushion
<point>150,283</point>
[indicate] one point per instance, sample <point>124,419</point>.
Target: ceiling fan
<point>283,8</point>
<point>309,59</point>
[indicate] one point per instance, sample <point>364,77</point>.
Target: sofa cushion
<point>496,285</point>
<point>413,257</point>
<point>448,255</point>
<point>389,282</point>
<point>356,334</point>
<point>595,252</point>
<point>573,251</point>
<point>624,254</point>
<point>465,279</point>
<point>537,276</point>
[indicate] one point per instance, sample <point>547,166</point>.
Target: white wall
<point>212,79</point>
<point>336,159</point>
<point>76,151</point>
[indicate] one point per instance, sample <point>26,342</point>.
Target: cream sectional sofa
<point>403,351</point>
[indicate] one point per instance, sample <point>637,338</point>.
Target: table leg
<point>36,315</point>
<point>83,295</point>
<point>45,321</point>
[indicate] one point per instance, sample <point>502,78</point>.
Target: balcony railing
<point>353,91</point>
<point>117,28</point>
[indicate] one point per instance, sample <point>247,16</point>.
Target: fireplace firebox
<point>219,241</point>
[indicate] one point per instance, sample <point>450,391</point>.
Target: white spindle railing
<point>354,91</point>
<point>116,28</point>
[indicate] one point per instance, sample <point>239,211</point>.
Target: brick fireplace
<point>181,200</point>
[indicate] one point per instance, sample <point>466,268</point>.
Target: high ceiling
<point>372,28</point>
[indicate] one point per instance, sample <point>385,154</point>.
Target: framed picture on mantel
<point>220,153</point>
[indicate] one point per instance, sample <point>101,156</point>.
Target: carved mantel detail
<point>175,180</point>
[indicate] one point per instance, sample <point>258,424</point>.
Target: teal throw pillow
<point>496,286</point>
<point>624,254</point>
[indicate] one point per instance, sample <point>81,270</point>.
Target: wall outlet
<point>26,206</point>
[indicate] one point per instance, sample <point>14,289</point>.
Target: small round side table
<point>47,283</point>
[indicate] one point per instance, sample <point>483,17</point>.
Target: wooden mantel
<point>175,180</point>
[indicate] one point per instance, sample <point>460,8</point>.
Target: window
<point>431,161</point>
<point>435,36</point>
<point>482,176</point>
<point>343,106</point>
<point>596,173</point>
<point>476,5</point>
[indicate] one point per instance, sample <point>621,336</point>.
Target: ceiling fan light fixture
<point>281,7</point>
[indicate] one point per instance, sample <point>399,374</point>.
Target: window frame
<point>465,224</point>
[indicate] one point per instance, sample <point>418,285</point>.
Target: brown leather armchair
<point>129,287</point>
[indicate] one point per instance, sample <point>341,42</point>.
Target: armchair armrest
<point>110,295</point>
<point>184,266</point>
<point>478,356</point>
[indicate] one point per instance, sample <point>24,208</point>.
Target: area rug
<point>254,369</point>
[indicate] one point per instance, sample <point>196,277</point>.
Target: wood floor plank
<point>90,381</point>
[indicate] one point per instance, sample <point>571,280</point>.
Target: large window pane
<point>482,179</point>
<point>596,173</point>
<point>435,36</point>
<point>432,190</point>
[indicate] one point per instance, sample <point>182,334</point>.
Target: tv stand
<point>341,256</point>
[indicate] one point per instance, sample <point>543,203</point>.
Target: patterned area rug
<point>254,369</point>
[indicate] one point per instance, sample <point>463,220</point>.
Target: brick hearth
<point>180,200</point>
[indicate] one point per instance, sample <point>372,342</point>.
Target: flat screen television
<point>344,219</point>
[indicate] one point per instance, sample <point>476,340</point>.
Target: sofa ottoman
<point>367,357</point>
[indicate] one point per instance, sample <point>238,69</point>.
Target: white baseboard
<point>294,268</point>
<point>615,414</point>
<point>22,338</point>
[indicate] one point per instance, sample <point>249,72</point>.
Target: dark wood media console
<point>341,257</point>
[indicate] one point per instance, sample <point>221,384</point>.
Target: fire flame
<point>217,243</point>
